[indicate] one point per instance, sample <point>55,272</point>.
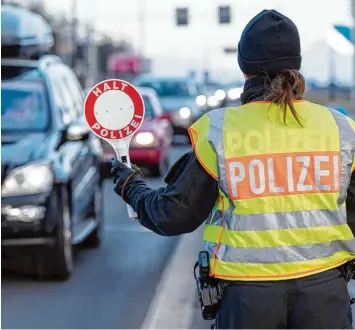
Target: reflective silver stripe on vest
<point>280,254</point>
<point>347,150</point>
<point>215,138</point>
<point>281,220</point>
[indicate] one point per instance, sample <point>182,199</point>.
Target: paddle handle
<point>123,156</point>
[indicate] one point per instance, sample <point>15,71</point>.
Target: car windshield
<point>233,85</point>
<point>149,112</point>
<point>212,87</point>
<point>24,106</point>
<point>168,88</point>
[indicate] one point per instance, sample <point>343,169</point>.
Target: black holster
<point>209,289</point>
<point>348,271</point>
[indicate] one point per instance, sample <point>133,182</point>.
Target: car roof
<point>24,85</point>
<point>42,62</point>
<point>19,62</point>
<point>15,68</point>
<point>147,91</point>
<point>160,78</point>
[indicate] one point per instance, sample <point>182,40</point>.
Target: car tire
<point>162,168</point>
<point>58,261</point>
<point>94,238</point>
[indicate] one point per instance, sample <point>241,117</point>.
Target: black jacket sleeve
<point>350,203</point>
<point>182,206</point>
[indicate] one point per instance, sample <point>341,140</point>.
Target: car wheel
<point>57,261</point>
<point>94,239</point>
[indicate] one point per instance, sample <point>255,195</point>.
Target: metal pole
<point>92,57</point>
<point>74,11</point>
<point>205,58</point>
<point>332,76</point>
<point>141,26</point>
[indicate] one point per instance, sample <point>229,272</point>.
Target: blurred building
<point>335,59</point>
<point>89,52</point>
<point>182,35</point>
<point>191,35</point>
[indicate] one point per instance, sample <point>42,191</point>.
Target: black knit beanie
<point>270,43</point>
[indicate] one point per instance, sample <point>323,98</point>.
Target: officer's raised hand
<point>125,179</point>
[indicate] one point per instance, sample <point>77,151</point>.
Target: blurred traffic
<point>177,97</point>
<point>56,184</point>
<point>50,165</point>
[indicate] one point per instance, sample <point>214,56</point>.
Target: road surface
<point>112,287</point>
<point>136,279</point>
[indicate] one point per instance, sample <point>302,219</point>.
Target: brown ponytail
<point>284,89</point>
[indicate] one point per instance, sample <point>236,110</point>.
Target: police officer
<point>271,178</point>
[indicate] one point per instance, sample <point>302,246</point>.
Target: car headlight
<point>201,100</point>
<point>144,139</point>
<point>26,180</point>
<point>212,101</point>
<point>185,113</point>
<point>220,94</point>
<point>234,93</point>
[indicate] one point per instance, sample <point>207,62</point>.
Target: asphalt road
<point>136,279</point>
<point>111,287</point>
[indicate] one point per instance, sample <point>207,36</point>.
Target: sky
<point>201,43</point>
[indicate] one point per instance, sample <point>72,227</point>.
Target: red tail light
<point>166,116</point>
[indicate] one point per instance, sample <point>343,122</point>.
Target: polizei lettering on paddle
<point>138,109</point>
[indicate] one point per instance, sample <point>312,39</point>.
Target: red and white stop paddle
<point>114,111</point>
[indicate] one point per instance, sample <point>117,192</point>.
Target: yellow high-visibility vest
<point>281,211</point>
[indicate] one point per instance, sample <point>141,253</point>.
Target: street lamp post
<point>92,57</point>
<point>141,26</point>
<point>74,26</point>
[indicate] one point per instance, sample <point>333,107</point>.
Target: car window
<point>168,88</point>
<point>68,99</point>
<point>73,86</point>
<point>200,89</point>
<point>212,87</point>
<point>193,88</point>
<point>71,106</point>
<point>24,106</point>
<point>149,110</point>
<point>59,98</point>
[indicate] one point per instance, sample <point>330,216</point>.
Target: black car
<point>50,166</point>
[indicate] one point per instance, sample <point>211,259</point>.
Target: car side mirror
<point>77,132</point>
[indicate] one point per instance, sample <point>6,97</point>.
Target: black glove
<point>123,175</point>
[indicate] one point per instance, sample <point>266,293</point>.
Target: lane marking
<point>84,181</point>
<point>173,306</point>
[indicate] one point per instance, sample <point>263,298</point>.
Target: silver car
<point>178,99</point>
